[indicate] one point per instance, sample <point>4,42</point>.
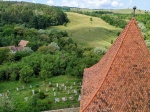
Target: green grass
<point>120,11</point>
<point>18,96</point>
<point>88,33</point>
<point>127,11</point>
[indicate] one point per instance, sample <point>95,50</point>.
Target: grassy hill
<point>126,11</point>
<point>120,11</point>
<point>89,33</point>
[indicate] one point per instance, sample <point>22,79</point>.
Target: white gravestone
<point>22,87</point>
<point>64,99</point>
<point>75,92</point>
<point>46,90</point>
<point>26,98</point>
<point>57,100</point>
<point>71,97</point>
<point>1,95</point>
<point>54,93</point>
<point>32,92</point>
<point>30,86</point>
<point>65,87</point>
<point>39,90</point>
<point>17,89</point>
<point>79,98</point>
<point>70,87</point>
<point>56,84</point>
<point>68,92</point>
<point>53,89</point>
<point>74,83</point>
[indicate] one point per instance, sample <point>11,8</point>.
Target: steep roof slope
<point>120,81</point>
<point>23,43</point>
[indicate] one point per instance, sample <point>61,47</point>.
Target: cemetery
<point>54,93</point>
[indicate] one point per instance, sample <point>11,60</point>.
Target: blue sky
<point>96,4</point>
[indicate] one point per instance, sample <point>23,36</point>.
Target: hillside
<point>31,15</point>
<point>120,11</point>
<point>89,33</point>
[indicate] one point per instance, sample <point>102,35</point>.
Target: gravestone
<point>22,87</point>
<point>74,83</point>
<point>39,90</point>
<point>68,92</point>
<point>54,93</point>
<point>30,86</point>
<point>1,95</point>
<point>17,89</point>
<point>70,87</point>
<point>32,92</point>
<point>75,92</point>
<point>71,97</point>
<point>53,89</point>
<point>49,83</point>
<point>26,98</point>
<point>79,98</point>
<point>56,84</point>
<point>57,100</point>
<point>65,87</point>
<point>64,99</point>
<point>46,90</point>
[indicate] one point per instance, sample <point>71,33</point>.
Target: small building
<point>22,44</point>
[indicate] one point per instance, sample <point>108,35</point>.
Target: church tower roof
<point>120,81</point>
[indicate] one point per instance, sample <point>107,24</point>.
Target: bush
<point>41,95</point>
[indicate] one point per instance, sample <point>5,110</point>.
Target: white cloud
<point>33,1</point>
<point>93,3</point>
<point>50,2</point>
<point>71,3</point>
<point>116,4</point>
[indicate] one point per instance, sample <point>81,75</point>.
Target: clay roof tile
<point>120,81</point>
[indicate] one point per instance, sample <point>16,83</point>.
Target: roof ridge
<point>132,20</point>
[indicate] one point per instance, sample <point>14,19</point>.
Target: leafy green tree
<point>4,54</point>
<point>25,73</point>
<point>44,74</point>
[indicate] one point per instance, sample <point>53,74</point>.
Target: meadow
<point>89,31</point>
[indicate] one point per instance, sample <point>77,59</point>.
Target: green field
<point>89,33</point>
<point>18,96</point>
<point>120,11</point>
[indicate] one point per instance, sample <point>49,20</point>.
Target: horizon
<point>94,4</point>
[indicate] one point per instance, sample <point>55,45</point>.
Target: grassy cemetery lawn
<point>54,93</point>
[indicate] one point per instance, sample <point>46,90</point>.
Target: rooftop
<point>120,81</point>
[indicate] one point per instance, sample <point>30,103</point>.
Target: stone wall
<point>65,110</point>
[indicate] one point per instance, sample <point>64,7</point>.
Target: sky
<point>95,4</point>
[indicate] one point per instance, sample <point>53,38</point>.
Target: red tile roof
<point>120,81</point>
<point>23,43</point>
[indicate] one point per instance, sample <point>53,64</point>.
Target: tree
<point>44,74</point>
<point>4,54</point>
<point>25,73</point>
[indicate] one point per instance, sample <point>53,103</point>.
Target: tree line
<point>32,15</point>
